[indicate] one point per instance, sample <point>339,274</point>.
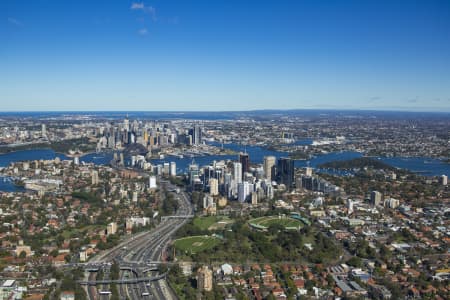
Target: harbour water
<point>421,165</point>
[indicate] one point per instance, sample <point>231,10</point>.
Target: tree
<point>23,254</point>
<point>355,262</point>
<point>274,228</point>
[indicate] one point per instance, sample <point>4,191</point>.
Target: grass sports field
<point>212,222</point>
<point>265,222</point>
<point>195,244</point>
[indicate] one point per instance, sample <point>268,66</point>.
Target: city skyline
<point>224,56</point>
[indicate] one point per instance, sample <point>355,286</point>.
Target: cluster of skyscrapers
<point>239,181</point>
<point>147,134</point>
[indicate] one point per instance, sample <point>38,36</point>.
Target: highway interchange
<point>136,256</point>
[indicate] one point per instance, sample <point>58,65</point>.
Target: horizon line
<point>234,111</point>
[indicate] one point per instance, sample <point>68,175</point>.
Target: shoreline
<point>443,164</point>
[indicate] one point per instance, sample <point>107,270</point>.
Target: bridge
<point>123,281</point>
<point>123,265</point>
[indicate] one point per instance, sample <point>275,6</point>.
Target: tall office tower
<point>237,172</point>
<point>444,179</point>
<point>166,169</point>
<point>214,187</point>
<point>269,192</point>
<point>196,134</point>
<point>131,138</point>
<point>286,172</point>
<point>227,180</point>
<point>269,164</point>
<point>193,172</point>
<point>173,169</point>
<point>94,177</point>
<point>309,171</point>
<point>43,130</point>
<point>245,162</point>
<point>111,142</point>
<point>375,198</point>
<point>126,124</point>
<point>244,190</point>
<point>152,182</point>
<point>204,279</point>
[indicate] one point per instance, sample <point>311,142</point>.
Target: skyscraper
<point>269,164</point>
<point>244,190</point>
<point>173,168</point>
<point>126,124</point>
<point>286,172</point>
<point>237,172</point>
<point>214,187</point>
<point>245,162</point>
<point>94,177</point>
<point>196,134</point>
<point>375,198</point>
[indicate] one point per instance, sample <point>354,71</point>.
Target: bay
<point>421,165</point>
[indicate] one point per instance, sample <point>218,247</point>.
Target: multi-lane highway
<point>140,250</point>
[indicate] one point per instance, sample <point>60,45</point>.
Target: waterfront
<point>420,165</point>
<point>101,158</point>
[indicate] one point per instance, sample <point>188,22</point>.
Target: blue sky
<point>224,55</point>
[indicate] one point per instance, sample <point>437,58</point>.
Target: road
<point>142,248</point>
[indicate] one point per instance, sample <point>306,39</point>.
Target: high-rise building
<point>444,179</point>
<point>269,164</point>
<point>196,134</point>
<point>349,206</point>
<point>43,130</point>
<point>152,182</point>
<point>126,124</point>
<point>245,162</point>
<point>286,172</point>
<point>94,177</point>
<point>111,228</point>
<point>207,201</point>
<point>166,168</point>
<point>214,187</point>
<point>173,169</point>
<point>237,172</point>
<point>204,279</point>
<point>193,172</point>
<point>244,190</point>
<point>375,198</point>
<point>309,171</point>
